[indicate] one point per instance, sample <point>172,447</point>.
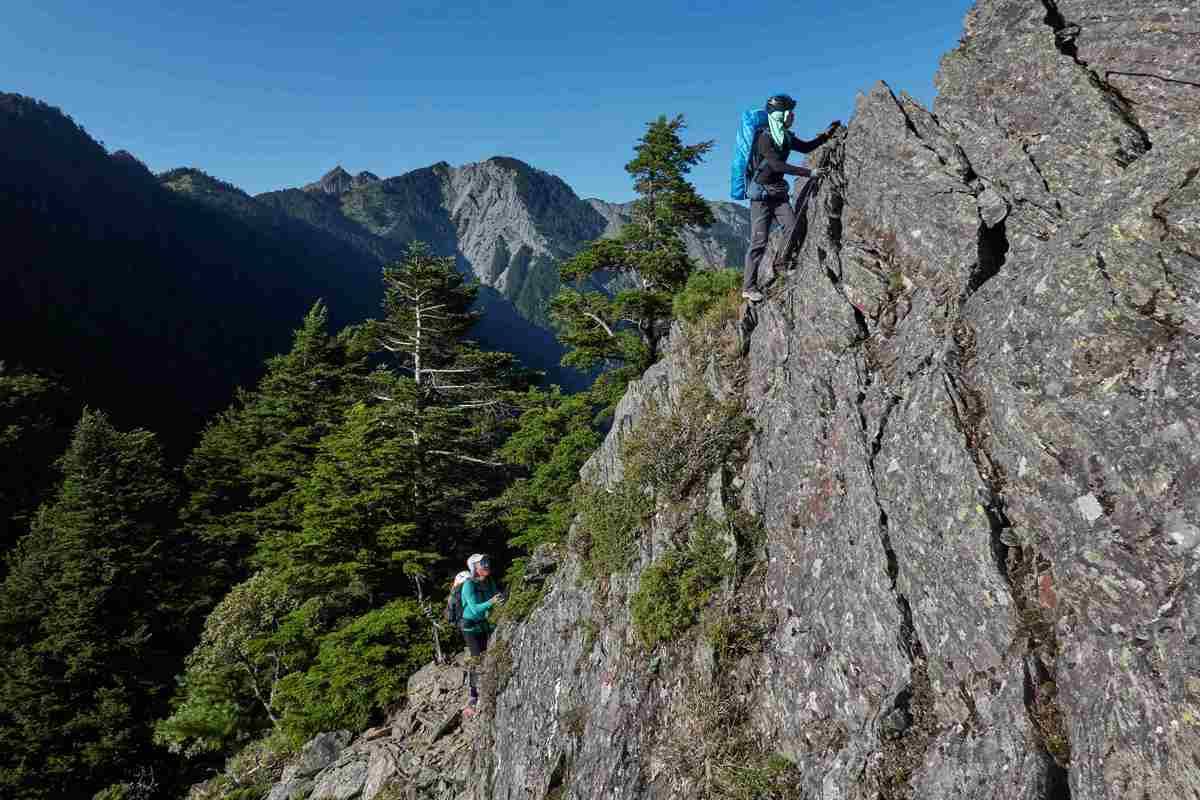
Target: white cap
<point>473,562</point>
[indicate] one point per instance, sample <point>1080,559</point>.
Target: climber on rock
<point>479,596</point>
<point>767,189</point>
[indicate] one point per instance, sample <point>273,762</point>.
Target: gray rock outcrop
<point>976,396</point>
<point>337,182</point>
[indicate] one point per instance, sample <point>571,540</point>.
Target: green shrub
<point>771,778</point>
<point>674,589</point>
<point>522,596</point>
<point>676,445</point>
<point>608,527</point>
<point>706,290</point>
<point>360,670</point>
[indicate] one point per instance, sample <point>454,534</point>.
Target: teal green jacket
<point>477,599</point>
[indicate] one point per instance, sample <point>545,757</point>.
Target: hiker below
<point>479,595</point>
<point>767,189</point>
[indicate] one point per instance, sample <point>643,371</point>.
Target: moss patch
<point>770,777</point>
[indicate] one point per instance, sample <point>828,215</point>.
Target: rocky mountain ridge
<point>506,222</point>
<point>973,471</point>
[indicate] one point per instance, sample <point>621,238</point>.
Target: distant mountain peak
<point>190,180</point>
<point>510,162</point>
<point>338,181</point>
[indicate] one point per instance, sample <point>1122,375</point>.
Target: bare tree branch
<point>468,459</point>
<point>600,322</point>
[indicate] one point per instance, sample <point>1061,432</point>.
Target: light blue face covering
<point>777,121</point>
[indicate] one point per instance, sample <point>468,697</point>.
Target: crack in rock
<point>1111,72</point>
<point>910,727</point>
<point>1065,34</point>
<point>1102,268</point>
<point>1019,562</point>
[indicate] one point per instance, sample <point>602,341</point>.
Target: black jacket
<point>771,161</point>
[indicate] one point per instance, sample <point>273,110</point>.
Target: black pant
<point>762,213</point>
<point>477,643</point>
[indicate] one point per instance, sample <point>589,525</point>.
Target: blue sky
<point>267,94</point>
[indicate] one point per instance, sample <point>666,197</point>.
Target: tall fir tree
<point>646,263</point>
<point>454,401</point>
<point>243,475</point>
<point>391,489</point>
<point>83,664</point>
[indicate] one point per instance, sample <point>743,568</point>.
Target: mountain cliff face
<point>966,527</point>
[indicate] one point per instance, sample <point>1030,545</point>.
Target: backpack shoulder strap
<point>752,163</point>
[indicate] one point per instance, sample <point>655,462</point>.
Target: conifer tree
<point>228,689</point>
<point>243,474</point>
<point>452,400</point>
<point>554,436</point>
<point>645,264</point>
<point>83,661</point>
<point>391,488</point>
<point>36,417</point>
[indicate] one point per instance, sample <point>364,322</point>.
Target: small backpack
<point>454,608</point>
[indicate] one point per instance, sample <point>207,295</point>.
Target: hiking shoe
<point>753,295</point>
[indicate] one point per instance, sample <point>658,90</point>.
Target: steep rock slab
<point>1147,51</point>
<point>1027,113</point>
<point>577,706</point>
<point>1086,366</point>
<point>896,622</point>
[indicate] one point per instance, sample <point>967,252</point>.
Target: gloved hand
<point>820,172</point>
<point>498,600</point>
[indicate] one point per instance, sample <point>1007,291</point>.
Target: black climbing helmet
<point>780,102</point>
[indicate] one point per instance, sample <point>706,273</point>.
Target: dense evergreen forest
<point>102,262</point>
<point>171,601</point>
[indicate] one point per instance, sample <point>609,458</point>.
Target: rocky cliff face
<point>974,471</point>
<point>337,181</point>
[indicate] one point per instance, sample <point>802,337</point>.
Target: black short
<point>477,641</point>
